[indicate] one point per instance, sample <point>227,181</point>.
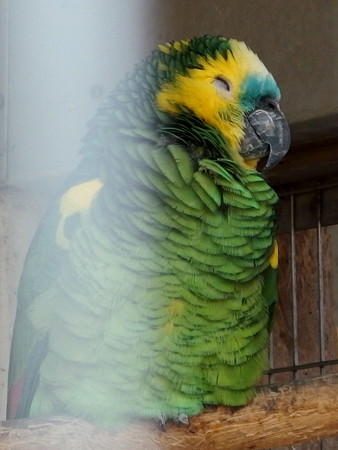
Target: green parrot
<point>149,288</point>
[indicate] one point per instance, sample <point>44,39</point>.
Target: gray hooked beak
<point>266,133</point>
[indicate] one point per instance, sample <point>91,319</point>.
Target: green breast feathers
<point>149,288</point>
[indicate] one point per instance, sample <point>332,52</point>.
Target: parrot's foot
<point>181,419</point>
<point>161,422</point>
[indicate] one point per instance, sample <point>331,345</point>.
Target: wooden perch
<point>280,415</point>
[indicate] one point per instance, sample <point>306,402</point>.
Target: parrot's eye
<point>223,86</point>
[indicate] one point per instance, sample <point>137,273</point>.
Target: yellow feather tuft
<point>177,45</point>
<point>175,308</point>
<point>78,198</point>
<point>163,66</point>
<point>164,48</point>
<point>252,163</point>
<point>168,328</point>
<point>180,45</point>
<point>274,256</point>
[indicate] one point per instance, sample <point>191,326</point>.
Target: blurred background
<point>59,60</point>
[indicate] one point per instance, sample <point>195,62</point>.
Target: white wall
<point>65,56</point>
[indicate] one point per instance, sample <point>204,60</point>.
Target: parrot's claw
<point>161,421</point>
<point>182,419</point>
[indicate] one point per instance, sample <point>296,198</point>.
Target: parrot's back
<point>149,287</point>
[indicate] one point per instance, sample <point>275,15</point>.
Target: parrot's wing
<point>47,254</point>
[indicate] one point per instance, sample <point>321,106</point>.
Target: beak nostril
<point>270,104</point>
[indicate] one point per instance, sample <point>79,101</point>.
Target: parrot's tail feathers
<point>14,396</point>
<point>23,391</point>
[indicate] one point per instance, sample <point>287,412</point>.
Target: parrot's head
<point>224,85</point>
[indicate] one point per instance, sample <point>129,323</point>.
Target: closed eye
<point>223,86</point>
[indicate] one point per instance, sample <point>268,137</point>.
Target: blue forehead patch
<point>255,87</point>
